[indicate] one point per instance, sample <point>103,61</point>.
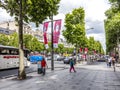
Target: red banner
<point>45,27</point>
<point>86,50</point>
<point>80,50</point>
<point>56,33</point>
<point>94,51</point>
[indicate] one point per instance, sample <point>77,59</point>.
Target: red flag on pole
<point>80,50</point>
<point>45,27</point>
<point>86,50</point>
<point>56,33</point>
<point>94,51</point>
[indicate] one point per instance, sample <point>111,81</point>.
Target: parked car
<point>60,58</point>
<point>67,60</point>
<point>55,57</point>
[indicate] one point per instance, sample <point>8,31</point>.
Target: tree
<point>59,49</point>
<point>13,40</point>
<point>91,43</point>
<point>112,25</point>
<point>4,40</point>
<point>32,43</point>
<point>28,11</point>
<point>75,27</point>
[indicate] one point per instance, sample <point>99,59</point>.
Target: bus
<point>9,57</point>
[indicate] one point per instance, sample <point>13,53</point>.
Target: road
<point>96,76</point>
<point>32,68</point>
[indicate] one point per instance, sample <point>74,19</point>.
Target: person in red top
<point>43,65</point>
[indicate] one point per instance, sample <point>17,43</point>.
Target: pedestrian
<point>39,67</point>
<point>109,61</point>
<point>43,65</point>
<point>113,61</point>
<point>45,56</point>
<point>72,63</point>
<point>116,58</point>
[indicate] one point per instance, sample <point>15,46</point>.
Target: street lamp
<point>89,29</point>
<point>88,60</point>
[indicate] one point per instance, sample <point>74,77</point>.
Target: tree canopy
<point>112,25</point>
<point>75,27</point>
<point>33,10</point>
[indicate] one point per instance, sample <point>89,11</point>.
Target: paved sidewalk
<point>88,77</point>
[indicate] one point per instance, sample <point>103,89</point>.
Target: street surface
<point>32,68</point>
<point>88,77</point>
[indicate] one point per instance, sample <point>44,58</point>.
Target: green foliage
<point>94,45</point>
<point>13,40</point>
<point>75,32</point>
<point>91,43</point>
<point>112,25</point>
<point>33,10</point>
<point>112,31</point>
<point>75,27</point>
<point>60,48</point>
<point>30,42</point>
<point>4,40</point>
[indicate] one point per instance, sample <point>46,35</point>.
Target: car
<point>60,58</point>
<point>55,57</point>
<point>49,58</point>
<point>67,60</point>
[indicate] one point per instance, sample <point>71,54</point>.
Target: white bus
<point>9,57</point>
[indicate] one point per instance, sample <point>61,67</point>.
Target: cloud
<point>99,37</point>
<point>98,27</point>
<point>4,16</point>
<point>94,15</point>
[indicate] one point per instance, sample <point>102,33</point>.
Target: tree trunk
<point>21,72</point>
<point>76,52</point>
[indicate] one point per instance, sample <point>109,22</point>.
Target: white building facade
<point>12,26</point>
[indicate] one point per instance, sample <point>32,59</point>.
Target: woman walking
<point>113,63</point>
<point>72,63</point>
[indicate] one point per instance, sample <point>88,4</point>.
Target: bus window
<point>5,51</point>
<point>14,52</point>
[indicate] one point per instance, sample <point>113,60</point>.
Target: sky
<point>94,16</point>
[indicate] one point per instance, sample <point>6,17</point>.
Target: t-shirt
<point>43,63</point>
<point>109,59</point>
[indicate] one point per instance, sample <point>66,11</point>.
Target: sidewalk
<point>88,77</point>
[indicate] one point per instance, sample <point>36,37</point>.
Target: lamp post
<point>89,59</point>
<point>89,28</point>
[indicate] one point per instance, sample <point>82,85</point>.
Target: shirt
<point>43,63</point>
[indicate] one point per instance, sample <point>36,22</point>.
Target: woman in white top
<point>109,61</point>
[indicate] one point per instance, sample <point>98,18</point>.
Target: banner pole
<point>52,48</point>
